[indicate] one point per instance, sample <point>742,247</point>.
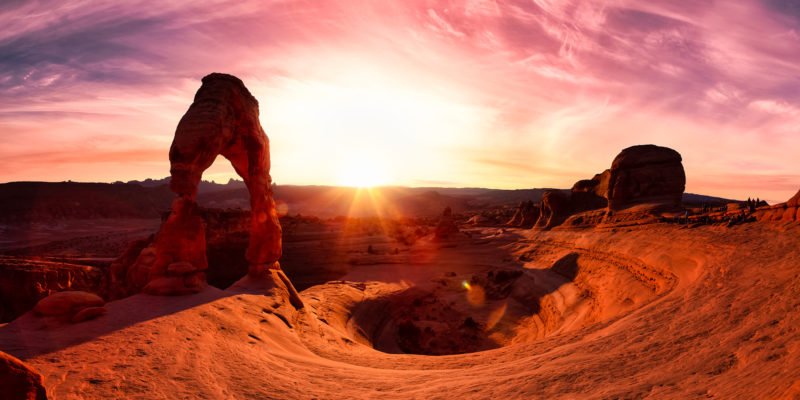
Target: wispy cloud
<point>554,85</point>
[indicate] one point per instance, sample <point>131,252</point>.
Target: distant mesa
<point>222,120</point>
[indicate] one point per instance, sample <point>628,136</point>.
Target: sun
<point>363,173</point>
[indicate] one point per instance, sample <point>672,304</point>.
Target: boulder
<point>18,381</point>
<point>67,303</point>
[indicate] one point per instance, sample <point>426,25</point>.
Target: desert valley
<point>416,199</point>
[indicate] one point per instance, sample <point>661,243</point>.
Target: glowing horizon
<point>475,93</point>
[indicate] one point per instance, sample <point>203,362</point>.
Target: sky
<point>474,93</point>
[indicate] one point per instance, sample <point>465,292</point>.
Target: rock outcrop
<point>222,120</point>
<point>446,227</point>
<point>526,215</point>
<point>643,182</point>
<point>24,281</point>
<point>646,174</point>
<point>783,212</point>
<point>554,210</point>
<point>18,381</point>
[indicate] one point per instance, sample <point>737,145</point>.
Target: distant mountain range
<point>44,201</point>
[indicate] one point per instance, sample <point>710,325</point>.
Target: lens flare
<point>466,285</point>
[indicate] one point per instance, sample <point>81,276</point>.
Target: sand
<point>661,312</point>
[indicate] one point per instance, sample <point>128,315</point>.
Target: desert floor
<point>656,312</point>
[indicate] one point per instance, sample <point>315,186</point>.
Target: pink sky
<point>501,94</point>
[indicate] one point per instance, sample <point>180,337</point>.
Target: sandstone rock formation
<point>590,194</point>
<point>73,305</point>
<point>25,281</point>
<point>18,381</point>
<point>526,215</point>
<point>646,174</point>
<point>222,120</point>
<point>643,182</point>
<point>555,209</point>
<point>446,227</point>
<point>783,212</point>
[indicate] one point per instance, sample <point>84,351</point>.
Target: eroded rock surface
<point>526,215</point>
<point>222,120</point>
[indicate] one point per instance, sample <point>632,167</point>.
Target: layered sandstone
<point>222,120</point>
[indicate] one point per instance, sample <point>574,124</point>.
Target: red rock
<point>794,201</point>
<point>180,268</point>
<point>590,194</point>
<point>25,281</point>
<point>67,303</point>
<point>446,226</point>
<point>18,381</point>
<point>222,120</point>
<point>88,313</point>
<point>646,174</point>
<point>555,209</point>
<point>782,212</point>
<point>526,215</point>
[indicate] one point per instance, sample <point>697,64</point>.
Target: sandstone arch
<point>222,120</point>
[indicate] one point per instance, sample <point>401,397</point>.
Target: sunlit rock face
<point>222,120</point>
<point>782,212</point>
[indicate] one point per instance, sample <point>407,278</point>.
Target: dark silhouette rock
<point>590,194</point>
<point>646,174</point>
<point>18,381</point>
<point>446,227</point>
